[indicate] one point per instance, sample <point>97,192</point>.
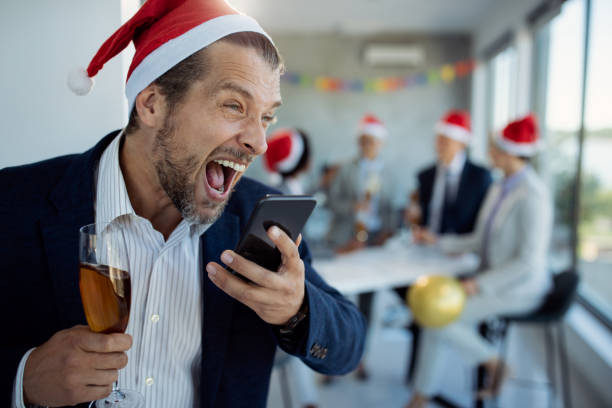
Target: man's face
<point>369,146</point>
<point>447,148</point>
<point>217,130</point>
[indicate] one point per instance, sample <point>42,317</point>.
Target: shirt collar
<point>112,200</point>
<point>456,165</point>
<point>511,182</point>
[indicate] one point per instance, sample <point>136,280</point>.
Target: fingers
<point>244,292</point>
<point>257,274</point>
<point>108,361</point>
<point>104,343</point>
<point>287,248</point>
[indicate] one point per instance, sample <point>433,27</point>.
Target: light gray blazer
<point>518,241</point>
<point>343,194</point>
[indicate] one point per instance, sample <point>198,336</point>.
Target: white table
<point>397,263</point>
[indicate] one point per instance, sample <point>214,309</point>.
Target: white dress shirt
<point>447,179</point>
<point>166,310</point>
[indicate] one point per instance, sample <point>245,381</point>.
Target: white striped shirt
<point>166,310</point>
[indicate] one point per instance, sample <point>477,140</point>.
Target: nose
<point>253,137</point>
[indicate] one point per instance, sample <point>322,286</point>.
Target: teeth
<point>238,167</point>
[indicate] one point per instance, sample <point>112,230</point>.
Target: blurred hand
<point>423,236</point>
<point>75,365</point>
<point>470,286</point>
<point>274,296</point>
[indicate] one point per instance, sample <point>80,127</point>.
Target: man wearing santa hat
<point>511,235</point>
<point>360,201</point>
<point>202,89</point>
<point>451,191</point>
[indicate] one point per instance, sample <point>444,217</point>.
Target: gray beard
<point>174,177</point>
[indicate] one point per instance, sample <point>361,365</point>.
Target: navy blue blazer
<point>458,217</point>
<point>42,206</point>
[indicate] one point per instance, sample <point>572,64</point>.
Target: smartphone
<point>288,212</point>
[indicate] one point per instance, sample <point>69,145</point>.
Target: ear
<point>150,105</point>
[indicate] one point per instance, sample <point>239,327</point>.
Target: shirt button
<point>155,318</point>
<point>149,381</point>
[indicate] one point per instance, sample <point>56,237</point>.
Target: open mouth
<point>220,176</point>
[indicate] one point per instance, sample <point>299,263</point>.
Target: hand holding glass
<point>104,281</point>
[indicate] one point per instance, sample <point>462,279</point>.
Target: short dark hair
<point>175,83</point>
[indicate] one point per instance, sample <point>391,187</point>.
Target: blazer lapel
<point>218,306</point>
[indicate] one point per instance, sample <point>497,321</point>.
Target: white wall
<point>331,118</point>
<point>43,41</point>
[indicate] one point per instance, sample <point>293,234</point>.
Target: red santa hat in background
<point>456,125</point>
<point>520,138</point>
<point>164,32</point>
<point>285,150</point>
<point>371,125</point>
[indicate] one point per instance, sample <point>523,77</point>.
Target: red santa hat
<point>164,32</point>
<point>455,125</point>
<point>520,138</point>
<point>371,125</point>
<point>285,150</point>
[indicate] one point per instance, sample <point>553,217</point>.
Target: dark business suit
<point>458,216</point>
<point>42,206</point>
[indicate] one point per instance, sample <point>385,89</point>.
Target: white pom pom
<point>79,82</point>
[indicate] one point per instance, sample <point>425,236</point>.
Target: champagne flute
<point>104,281</point>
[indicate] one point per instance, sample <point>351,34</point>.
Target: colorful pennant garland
<point>446,73</point>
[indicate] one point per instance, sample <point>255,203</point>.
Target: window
<point>559,53</point>
<point>578,147</point>
<point>595,216</point>
<point>502,78</point>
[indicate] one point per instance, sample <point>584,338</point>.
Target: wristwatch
<point>289,327</point>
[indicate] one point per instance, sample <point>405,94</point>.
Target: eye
<point>234,107</point>
<point>269,119</point>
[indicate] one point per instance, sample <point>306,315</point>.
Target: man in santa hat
<point>202,89</point>
<point>511,235</point>
<point>451,190</point>
<point>360,201</point>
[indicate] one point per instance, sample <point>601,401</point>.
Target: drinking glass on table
<point>104,281</point>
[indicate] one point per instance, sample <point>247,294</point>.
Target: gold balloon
<point>436,300</point>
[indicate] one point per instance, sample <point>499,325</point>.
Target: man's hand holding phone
<point>274,296</point>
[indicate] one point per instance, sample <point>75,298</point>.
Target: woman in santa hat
<point>512,235</point>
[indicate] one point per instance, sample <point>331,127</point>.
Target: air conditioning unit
<point>394,55</point>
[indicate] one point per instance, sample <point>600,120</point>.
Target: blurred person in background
<point>359,198</point>
<point>288,156</point>
<point>451,190</point>
<point>511,236</point>
<point>449,195</point>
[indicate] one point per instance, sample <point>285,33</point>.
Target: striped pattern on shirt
<point>166,311</point>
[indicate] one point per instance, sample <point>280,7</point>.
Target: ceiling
<point>367,16</point>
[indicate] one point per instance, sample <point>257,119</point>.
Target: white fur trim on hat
<point>455,132</point>
<point>79,82</point>
<point>290,162</point>
<point>174,51</point>
<point>373,129</point>
<point>518,149</point>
